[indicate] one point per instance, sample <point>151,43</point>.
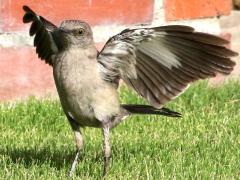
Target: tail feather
<point>146,109</point>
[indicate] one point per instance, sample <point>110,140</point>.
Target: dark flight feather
<point>43,30</point>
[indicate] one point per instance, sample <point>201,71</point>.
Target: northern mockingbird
<point>158,63</point>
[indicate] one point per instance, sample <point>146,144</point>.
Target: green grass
<point>36,141</point>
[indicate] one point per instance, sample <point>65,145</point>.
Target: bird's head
<point>77,33</point>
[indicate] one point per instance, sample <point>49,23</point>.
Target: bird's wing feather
<point>160,62</point>
<point>45,39</point>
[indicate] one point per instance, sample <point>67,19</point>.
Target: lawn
<point>36,141</point>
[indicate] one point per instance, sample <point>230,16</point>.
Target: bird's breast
<point>83,94</point>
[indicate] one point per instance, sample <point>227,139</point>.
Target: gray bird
<point>158,63</point>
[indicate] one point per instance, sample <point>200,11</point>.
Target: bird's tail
<point>145,109</point>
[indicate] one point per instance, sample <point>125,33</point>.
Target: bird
<point>158,63</point>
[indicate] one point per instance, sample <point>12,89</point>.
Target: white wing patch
<point>118,59</point>
<point>159,63</point>
<point>159,52</point>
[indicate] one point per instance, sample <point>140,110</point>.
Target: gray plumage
<point>158,63</point>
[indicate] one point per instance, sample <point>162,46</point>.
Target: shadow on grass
<point>60,160</point>
<point>30,157</point>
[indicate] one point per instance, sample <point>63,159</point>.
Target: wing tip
<point>234,54</point>
<point>27,9</point>
<point>29,14</point>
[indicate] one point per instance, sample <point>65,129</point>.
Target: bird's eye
<point>79,32</point>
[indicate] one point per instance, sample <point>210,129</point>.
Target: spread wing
<point>159,63</point>
<point>45,32</point>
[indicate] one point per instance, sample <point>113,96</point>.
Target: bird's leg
<point>106,147</point>
<point>79,144</point>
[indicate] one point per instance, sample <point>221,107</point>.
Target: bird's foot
<point>105,168</point>
<point>74,164</point>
